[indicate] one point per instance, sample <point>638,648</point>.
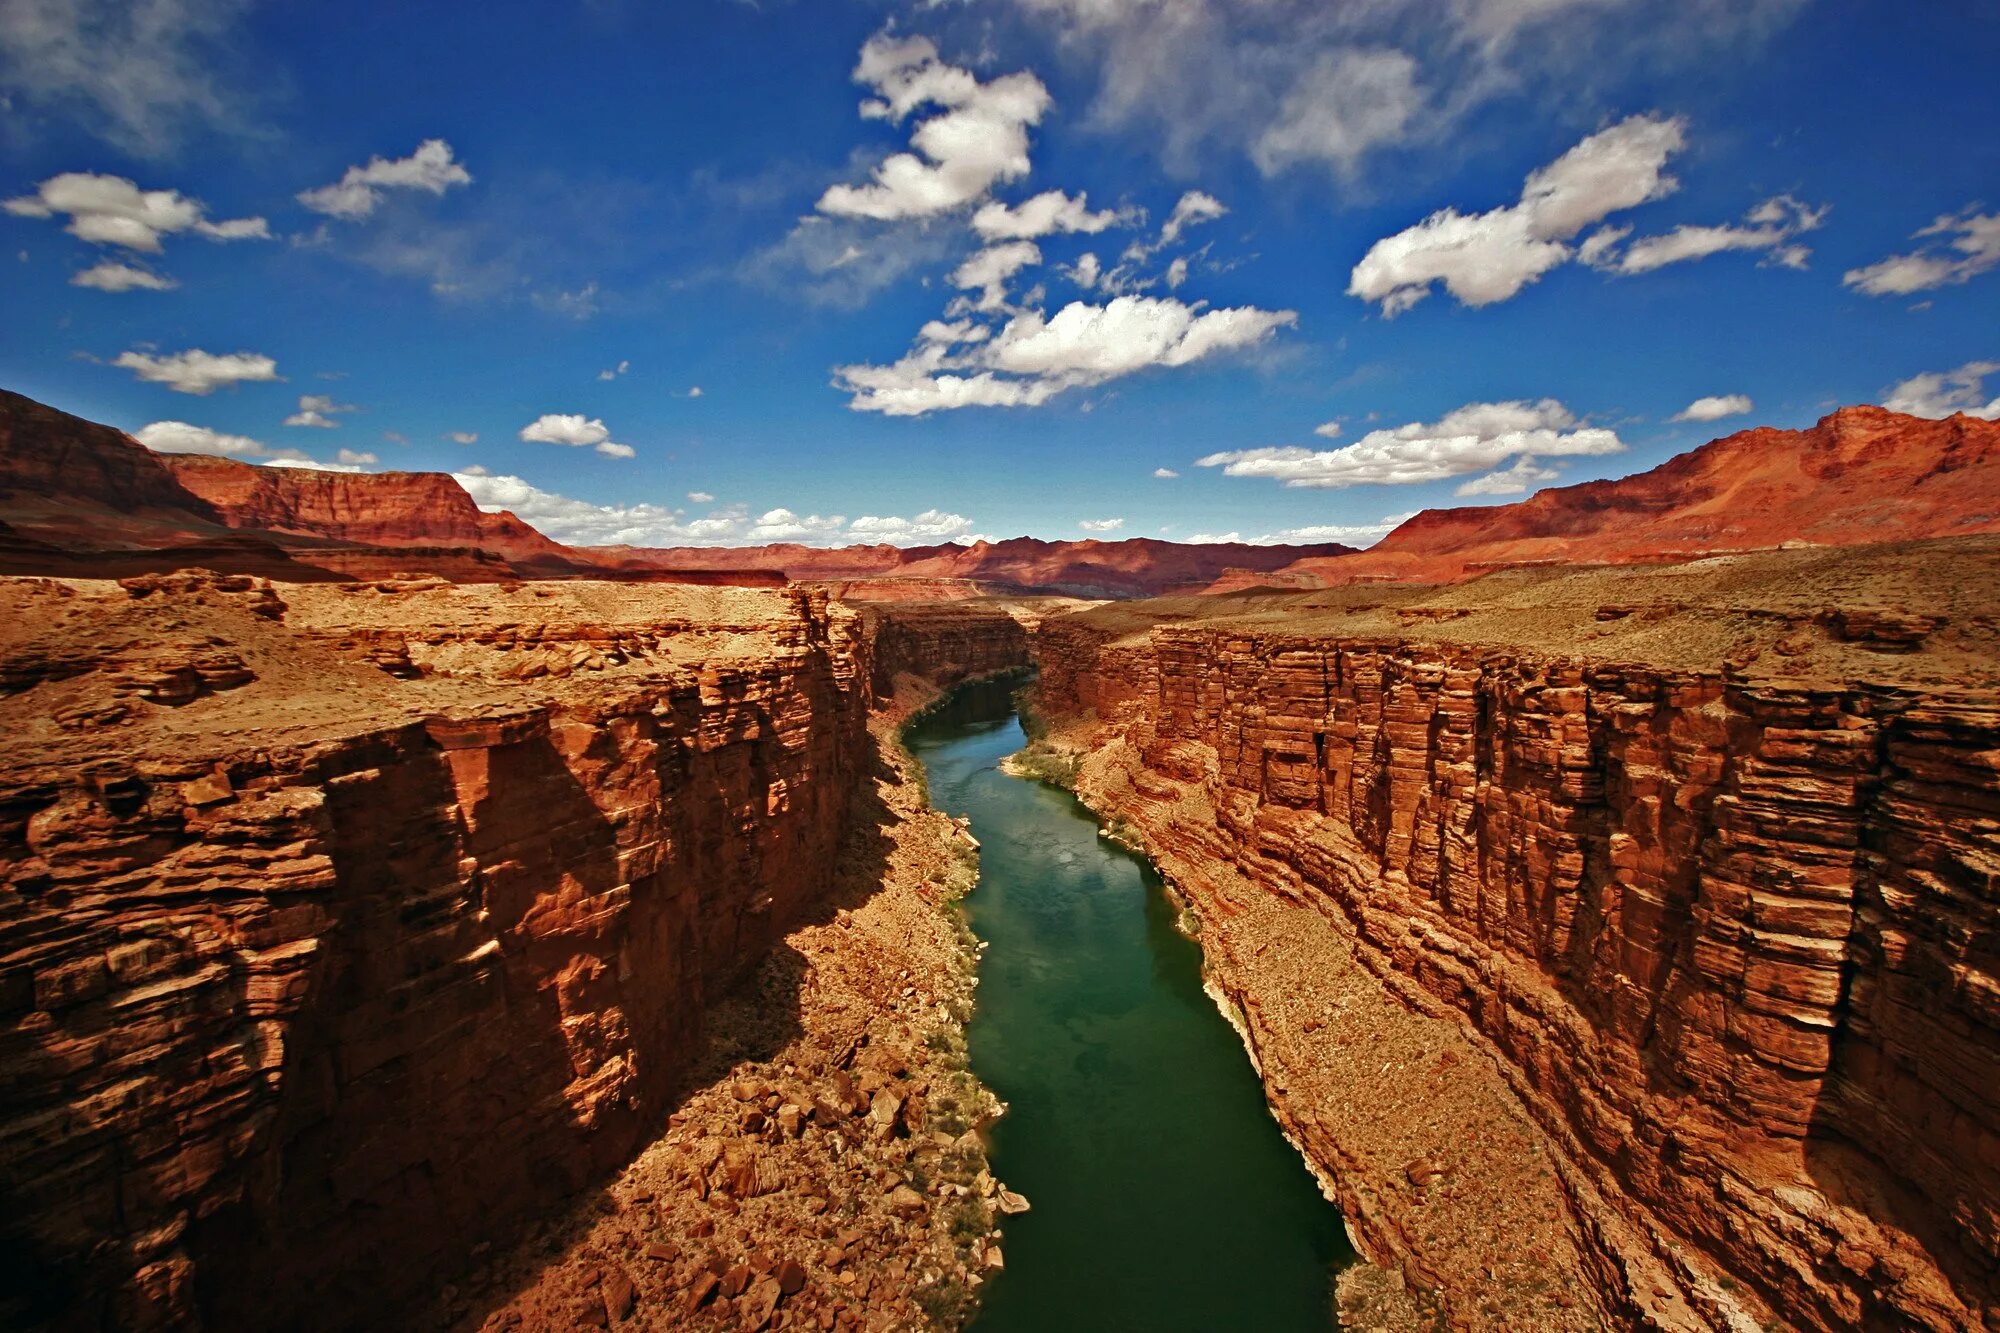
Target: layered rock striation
<point>337,962</point>
<point>1728,930</point>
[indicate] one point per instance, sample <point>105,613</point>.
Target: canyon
<point>1695,867</point>
<point>404,916</point>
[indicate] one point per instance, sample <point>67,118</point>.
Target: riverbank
<point>1165,1198</point>
<point>1442,1179</point>
<point>826,1171</point>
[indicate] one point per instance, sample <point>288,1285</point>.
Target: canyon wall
<point>1735,941</point>
<point>942,643</point>
<point>341,932</point>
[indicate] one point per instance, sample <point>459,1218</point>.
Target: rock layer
<point>1730,936</point>
<point>396,924</point>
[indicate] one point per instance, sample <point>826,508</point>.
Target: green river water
<point>1164,1197</point>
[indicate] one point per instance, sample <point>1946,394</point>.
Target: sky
<point>721,272</point>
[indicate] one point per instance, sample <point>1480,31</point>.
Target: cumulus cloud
<point>180,437</point>
<point>318,409</point>
<point>356,458</point>
<point>988,271</point>
<point>1047,213</point>
<point>1482,258</point>
<point>1715,408</point>
<point>1033,357</point>
<point>700,497</point>
<point>582,523</point>
<point>1165,473</point>
<point>1329,430</point>
<point>1941,393</point>
<point>197,372</point>
<point>1101,524</point>
<point>463,437</point>
<point>111,276</point>
<point>359,190</point>
<point>1526,472</point>
<point>1470,439</point>
<point>1771,226</point>
<point>575,430</point>
<point>111,210</point>
<point>1966,245</point>
<point>614,372</point>
<point>977,138</point>
<point>932,527</point>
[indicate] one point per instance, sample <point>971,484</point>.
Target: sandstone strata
<point>343,928</point>
<point>1725,928</point>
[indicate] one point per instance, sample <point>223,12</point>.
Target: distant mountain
<point>84,499</point>
<point>365,508</point>
<point>1862,474</point>
<point>1135,567</point>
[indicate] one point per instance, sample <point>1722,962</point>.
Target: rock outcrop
<point>943,643</point>
<point>1135,567</point>
<point>1728,929</point>
<point>329,966</point>
<point>1862,474</point>
<point>365,508</point>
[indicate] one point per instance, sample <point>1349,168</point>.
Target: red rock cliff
<point>368,508</point>
<point>313,976</point>
<point>1732,937</point>
<point>1862,474</point>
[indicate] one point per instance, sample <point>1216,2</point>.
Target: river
<point>1164,1197</point>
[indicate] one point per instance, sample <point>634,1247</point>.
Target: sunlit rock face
<point>1728,933</point>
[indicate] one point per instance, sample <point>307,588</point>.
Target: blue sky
<point>390,226</point>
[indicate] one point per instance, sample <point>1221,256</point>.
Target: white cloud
<point>1526,472</point>
<point>1348,103</point>
<point>1047,213</point>
<point>1328,430</point>
<point>180,437</point>
<point>1101,524</point>
<point>111,276</point>
<point>978,138</point>
<point>140,72</point>
<point>1973,249</point>
<point>1165,473</point>
<point>575,430</point>
<point>1347,534</point>
<point>197,372</point>
<point>359,191</point>
<point>700,497</point>
<point>317,409</point>
<point>111,210</point>
<point>1771,226</point>
<point>1311,85</point>
<point>463,437</point>
<point>1940,393</point>
<point>1033,357</point>
<point>1487,257</point>
<point>695,391</point>
<point>1190,210</point>
<point>356,458</point>
<point>930,528</point>
<point>584,524</point>
<point>1715,408</point>
<point>988,271</point>
<point>1470,439</point>
<point>1086,271</point>
<point>614,372</point>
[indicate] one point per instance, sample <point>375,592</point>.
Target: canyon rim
<point>1229,664</point>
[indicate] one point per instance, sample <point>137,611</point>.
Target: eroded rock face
<point>300,1001</point>
<point>1731,937</point>
<point>1859,475</point>
<point>944,643</point>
